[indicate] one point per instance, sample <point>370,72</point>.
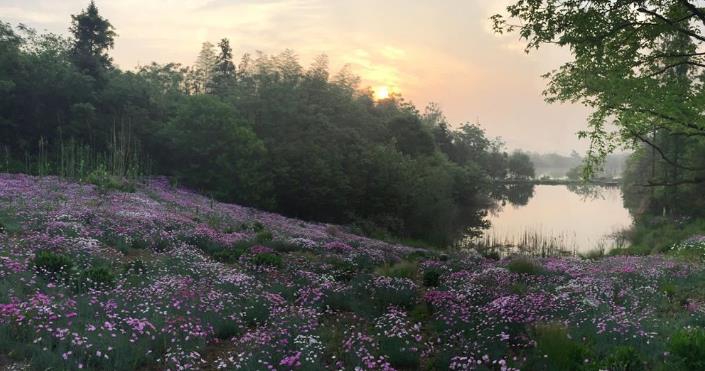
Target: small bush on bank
<point>525,265</point>
<point>555,350</point>
<point>52,265</point>
<point>8,223</point>
<point>431,278</point>
<point>268,259</point>
<point>105,181</point>
<point>623,358</point>
<point>96,278</point>
<point>404,269</point>
<point>264,236</point>
<point>688,348</point>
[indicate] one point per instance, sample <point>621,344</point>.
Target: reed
<point>68,158</point>
<point>530,242</point>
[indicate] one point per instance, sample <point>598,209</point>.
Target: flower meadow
<point>163,278</point>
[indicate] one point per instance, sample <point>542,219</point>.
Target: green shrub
<point>256,311</point>
<point>52,265</point>
<point>228,256</point>
<point>404,269</point>
<point>525,265</point>
<point>555,350</point>
<point>688,348</point>
<point>264,236</point>
<point>400,356</point>
<point>98,278</point>
<point>9,223</point>
<point>139,244</point>
<point>342,270</point>
<point>281,246</point>
<point>105,181</point>
<point>257,227</point>
<point>268,259</point>
<point>594,254</point>
<point>137,266</point>
<point>431,278</point>
<point>623,358</point>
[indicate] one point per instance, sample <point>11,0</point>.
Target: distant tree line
<point>555,165</point>
<point>264,132</point>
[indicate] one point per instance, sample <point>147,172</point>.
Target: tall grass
<point>122,158</point>
<point>530,242</point>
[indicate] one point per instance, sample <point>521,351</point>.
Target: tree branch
<point>671,23</point>
<point>694,9</point>
<point>662,154</point>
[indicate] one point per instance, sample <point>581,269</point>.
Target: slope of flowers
<point>166,279</point>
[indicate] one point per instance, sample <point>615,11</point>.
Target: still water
<point>575,220</point>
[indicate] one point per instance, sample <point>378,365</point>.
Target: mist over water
<point>577,220</point>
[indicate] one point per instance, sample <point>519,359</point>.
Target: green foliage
<point>555,350</point>
<point>268,259</point>
<point>274,135</point>
<point>52,265</point>
<point>688,348</point>
<point>217,151</point>
<point>97,278</point>
<point>623,358</point>
<point>519,166</point>
<point>659,235</point>
<point>264,236</point>
<point>594,254</point>
<point>342,270</point>
<point>137,266</point>
<point>399,354</point>
<point>9,224</point>
<point>652,96</point>
<point>431,277</point>
<point>93,36</point>
<point>105,181</point>
<point>525,265</point>
<point>404,269</point>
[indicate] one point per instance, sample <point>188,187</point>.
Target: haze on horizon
<point>428,52</point>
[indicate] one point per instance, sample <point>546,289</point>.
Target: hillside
<point>163,278</point>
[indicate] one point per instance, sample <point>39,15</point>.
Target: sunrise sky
<point>440,51</point>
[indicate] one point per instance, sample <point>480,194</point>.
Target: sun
<point>381,93</point>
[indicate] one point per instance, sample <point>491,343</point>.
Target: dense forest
<point>264,131</point>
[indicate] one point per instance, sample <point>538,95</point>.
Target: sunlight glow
<point>381,93</point>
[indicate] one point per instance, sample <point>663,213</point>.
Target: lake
<point>577,219</point>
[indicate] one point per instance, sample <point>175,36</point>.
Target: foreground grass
<point>162,278</point>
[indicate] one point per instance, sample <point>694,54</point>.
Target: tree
<point>93,36</point>
<point>619,64</point>
<point>222,81</point>
<point>214,150</point>
<point>520,166</point>
<point>202,72</point>
<point>410,136</point>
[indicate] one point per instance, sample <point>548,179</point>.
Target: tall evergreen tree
<point>202,73</point>
<point>222,82</point>
<point>93,37</point>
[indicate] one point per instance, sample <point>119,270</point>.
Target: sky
<point>441,51</point>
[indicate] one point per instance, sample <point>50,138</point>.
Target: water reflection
<point>552,218</point>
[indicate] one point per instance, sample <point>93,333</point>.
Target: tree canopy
<point>640,66</point>
<point>268,133</point>
<point>624,53</point>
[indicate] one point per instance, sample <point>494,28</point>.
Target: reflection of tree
<point>588,191</point>
<point>517,194</point>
